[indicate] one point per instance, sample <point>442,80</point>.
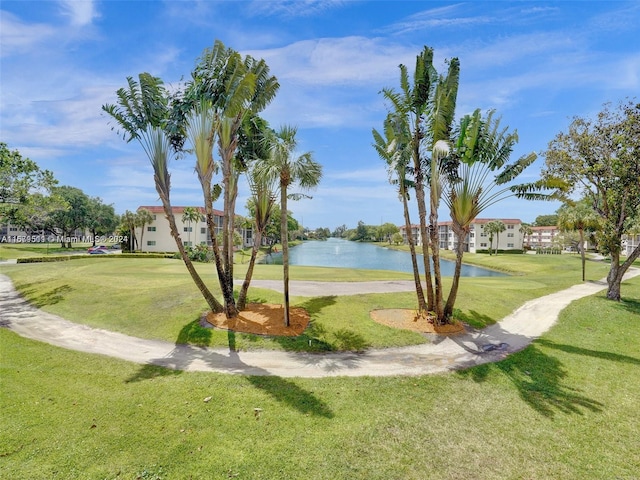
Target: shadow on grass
<point>194,334</point>
<point>615,357</point>
<point>538,377</point>
<point>473,318</point>
<point>630,305</point>
<point>183,357</point>
<point>51,297</point>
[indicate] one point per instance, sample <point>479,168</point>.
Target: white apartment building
<point>630,243</point>
<point>157,235</point>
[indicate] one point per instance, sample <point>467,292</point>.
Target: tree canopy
<point>599,159</point>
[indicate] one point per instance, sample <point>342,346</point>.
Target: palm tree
<point>129,220</point>
<point>289,169</point>
<point>391,148</point>
<point>525,230</point>
<point>427,108</point>
<point>190,215</point>
<point>578,216</point>
<point>483,151</point>
<point>226,88</point>
<point>143,217</point>
<point>142,113</point>
<point>255,144</point>
<point>494,227</point>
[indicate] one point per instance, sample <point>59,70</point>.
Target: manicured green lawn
<point>566,407</point>
<point>155,298</point>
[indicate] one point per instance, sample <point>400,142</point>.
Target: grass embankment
<point>155,298</point>
<point>565,407</point>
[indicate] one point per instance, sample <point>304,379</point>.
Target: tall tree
<point>130,221</point>
<point>254,147</point>
<point>601,160</point>
<point>76,217</point>
<point>289,168</point>
<point>143,218</point>
<point>494,227</point>
<point>227,88</point>
<point>102,219</point>
<point>142,113</point>
<point>26,191</point>
<point>190,215</point>
<point>392,148</point>
<point>427,107</point>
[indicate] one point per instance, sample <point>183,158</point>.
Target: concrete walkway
<point>440,354</point>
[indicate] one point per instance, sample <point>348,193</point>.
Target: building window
<point>483,234</point>
<point>510,227</point>
<point>472,235</point>
<point>188,229</point>
<point>151,243</point>
<point>483,245</point>
<point>154,217</point>
<point>187,244</point>
<point>203,231</point>
<point>472,245</point>
<point>151,229</point>
<point>510,235</point>
<point>13,229</point>
<point>509,245</point>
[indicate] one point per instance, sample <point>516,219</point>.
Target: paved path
<point>441,354</point>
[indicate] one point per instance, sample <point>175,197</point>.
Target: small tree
<point>578,217</point>
<point>525,230</point>
<point>284,165</point>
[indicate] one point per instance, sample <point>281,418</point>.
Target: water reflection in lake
<point>341,253</point>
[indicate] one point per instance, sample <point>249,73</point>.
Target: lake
<point>336,252</point>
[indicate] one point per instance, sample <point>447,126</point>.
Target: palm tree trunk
<point>285,249</point>
<point>582,254</point>
<point>435,254</point>
<point>422,305</point>
<point>453,293</point>
<point>214,305</point>
<point>242,297</point>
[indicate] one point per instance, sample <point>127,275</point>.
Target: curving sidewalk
<point>441,354</point>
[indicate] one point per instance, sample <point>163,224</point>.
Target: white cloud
<point>18,37</point>
<point>80,12</point>
<point>292,8</point>
<point>352,60</point>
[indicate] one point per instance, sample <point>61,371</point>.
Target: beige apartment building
<point>542,237</point>
<point>157,235</point>
<point>510,239</point>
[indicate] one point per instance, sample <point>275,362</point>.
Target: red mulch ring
<point>263,319</point>
<point>411,320</point>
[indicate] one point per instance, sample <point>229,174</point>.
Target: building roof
<point>178,210</point>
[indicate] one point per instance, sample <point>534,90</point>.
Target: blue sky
<point>537,64</point>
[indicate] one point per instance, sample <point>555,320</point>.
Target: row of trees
<point>31,199</point>
<point>218,109</point>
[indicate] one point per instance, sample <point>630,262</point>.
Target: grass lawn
<point>565,407</point>
<point>155,298</point>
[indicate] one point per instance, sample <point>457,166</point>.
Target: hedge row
<point>64,258</point>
